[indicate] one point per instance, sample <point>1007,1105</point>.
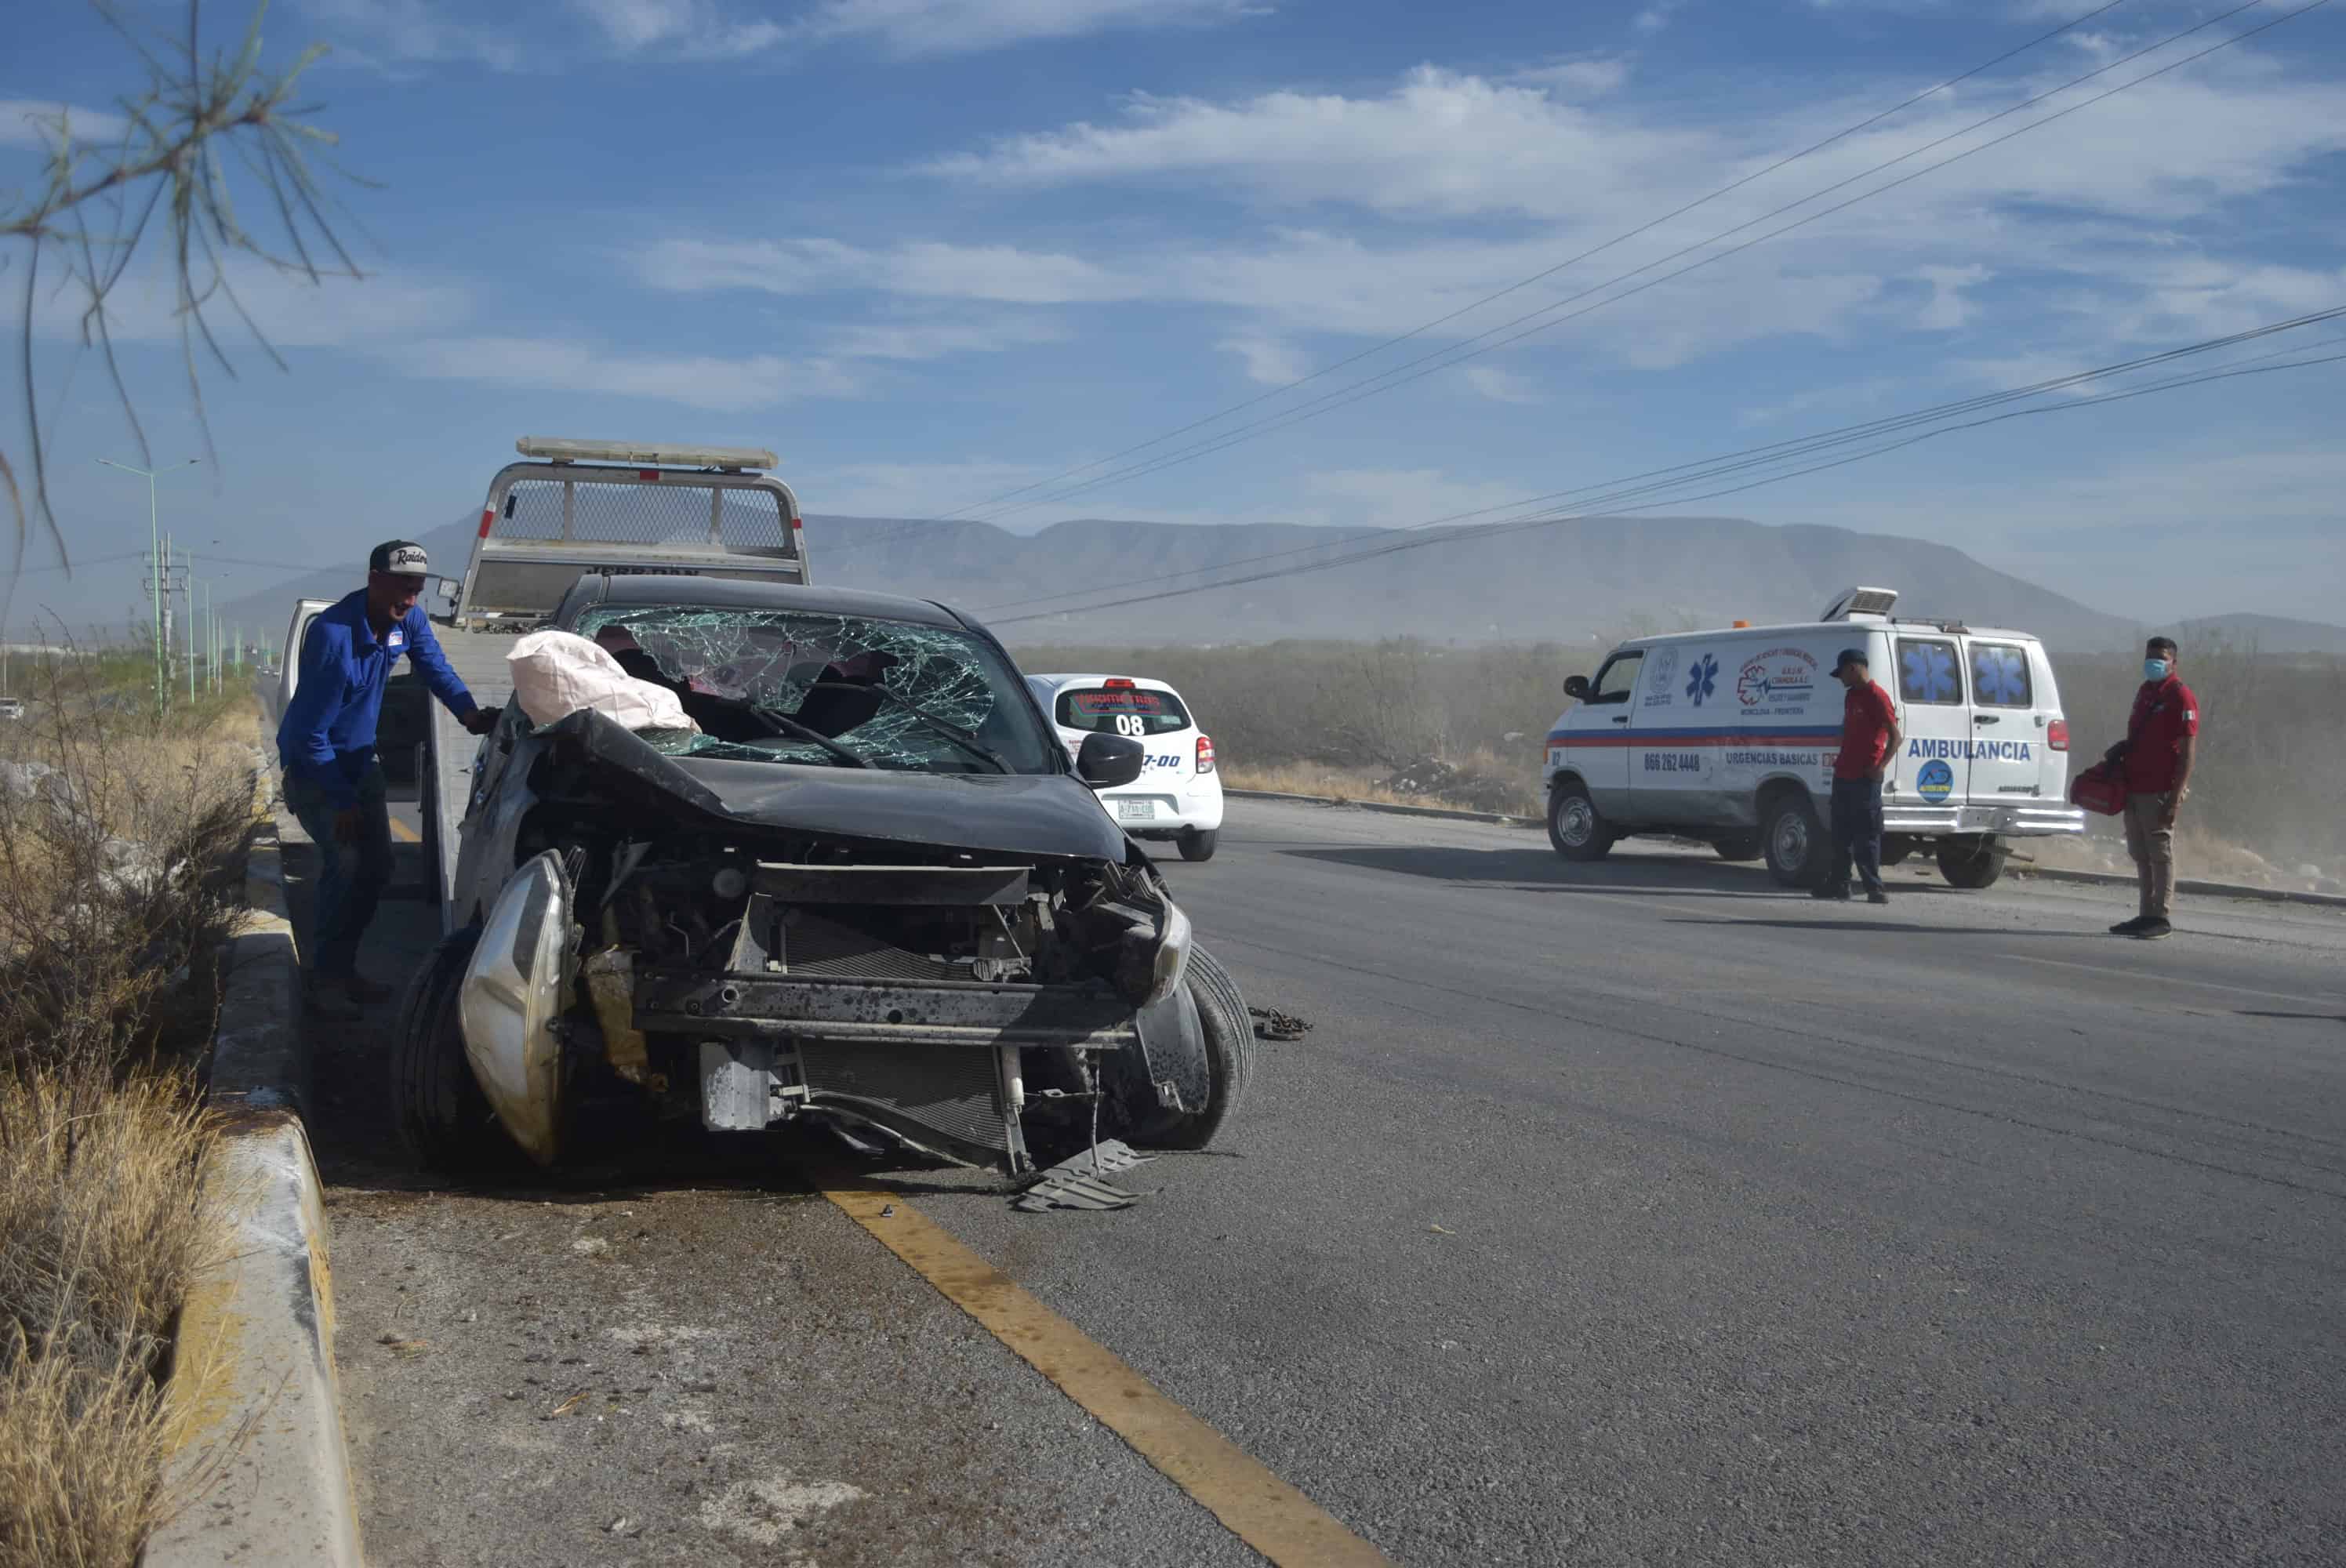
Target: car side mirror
<point>1110,761</point>
<point>1577,686</point>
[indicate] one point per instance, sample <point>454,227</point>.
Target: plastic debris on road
<point>1075,1182</point>
<point>1271,1024</point>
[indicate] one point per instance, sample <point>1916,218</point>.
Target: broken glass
<point>807,667</point>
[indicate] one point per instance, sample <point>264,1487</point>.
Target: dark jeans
<point>1857,833</point>
<point>351,877</point>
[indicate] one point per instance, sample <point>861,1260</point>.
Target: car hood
<point>1014,813</point>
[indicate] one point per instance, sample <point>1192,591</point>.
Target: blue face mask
<point>2155,670</point>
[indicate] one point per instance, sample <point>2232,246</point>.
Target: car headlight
<point>1172,953</point>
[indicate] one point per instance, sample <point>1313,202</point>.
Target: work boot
<point>2154,929</point>
<point>364,992</point>
<point>2129,927</point>
<point>329,996</point>
<point>1838,891</point>
<point>1877,896</point>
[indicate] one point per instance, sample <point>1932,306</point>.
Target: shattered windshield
<point>776,685</point>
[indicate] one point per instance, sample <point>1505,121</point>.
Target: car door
<point>1933,766</point>
<point>2007,732</point>
<point>1601,741</point>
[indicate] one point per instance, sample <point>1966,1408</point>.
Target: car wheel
<point>1574,826</point>
<point>1970,864</point>
<point>443,1118</point>
<point>1228,1029</point>
<point>1199,843</point>
<point>1738,846</point>
<point>1798,854</point>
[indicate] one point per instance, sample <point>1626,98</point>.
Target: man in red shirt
<point>1869,739</point>
<point>2161,744</point>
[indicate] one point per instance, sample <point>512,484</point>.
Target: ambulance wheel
<point>1574,826</point>
<point>1972,864</point>
<point>1739,847</point>
<point>1800,854</point>
<point>1199,843</point>
<point>442,1117</point>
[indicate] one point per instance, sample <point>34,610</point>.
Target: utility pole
<point>154,558</point>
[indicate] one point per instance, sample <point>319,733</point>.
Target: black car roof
<point>646,589</point>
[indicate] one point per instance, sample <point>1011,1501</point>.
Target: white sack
<point>555,674</point>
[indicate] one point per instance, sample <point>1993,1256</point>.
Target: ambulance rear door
<point>1934,766</point>
<point>2008,729</point>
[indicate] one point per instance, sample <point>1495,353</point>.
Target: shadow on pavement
<point>1541,870</point>
<point>1856,921</point>
<point>2316,1017</point>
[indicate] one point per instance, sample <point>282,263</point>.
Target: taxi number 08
<point>1131,724</point>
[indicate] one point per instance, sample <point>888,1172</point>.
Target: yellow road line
<point>1258,1508</point>
<point>403,833</point>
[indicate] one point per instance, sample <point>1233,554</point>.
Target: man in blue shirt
<point>325,743</point>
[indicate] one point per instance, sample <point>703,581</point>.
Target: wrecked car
<point>865,887</point>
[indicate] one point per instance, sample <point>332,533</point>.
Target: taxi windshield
<point>830,690</point>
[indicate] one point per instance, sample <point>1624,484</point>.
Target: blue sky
<point>933,249</point>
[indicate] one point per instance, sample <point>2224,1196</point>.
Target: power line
<point>1778,454</point>
<point>1452,356</point>
<point>1791,448</point>
<point>1424,326</point>
<point>1729,190</point>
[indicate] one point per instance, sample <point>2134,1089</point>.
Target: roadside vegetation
<point>1406,721</point>
<point>122,832</point>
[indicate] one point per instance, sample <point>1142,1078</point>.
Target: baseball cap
<point>403,556</point>
<point>1851,656</point>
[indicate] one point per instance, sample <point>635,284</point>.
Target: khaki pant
<point>2153,849</point>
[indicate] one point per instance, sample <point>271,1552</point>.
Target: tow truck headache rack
<point>579,506</point>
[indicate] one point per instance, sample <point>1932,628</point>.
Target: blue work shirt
<point>327,735</point>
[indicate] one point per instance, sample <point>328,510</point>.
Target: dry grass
<point>117,889</point>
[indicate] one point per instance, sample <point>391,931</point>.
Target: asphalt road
<point>1631,1213</point>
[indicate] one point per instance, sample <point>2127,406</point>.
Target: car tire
<point>1970,864</point>
<point>1199,843</point>
<point>1798,851</point>
<point>1228,1029</point>
<point>1738,846</point>
<point>1573,826</point>
<point>443,1118</point>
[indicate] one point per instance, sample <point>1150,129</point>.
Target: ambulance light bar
<point>730,458</point>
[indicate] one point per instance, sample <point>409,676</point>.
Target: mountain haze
<point>1569,581</point>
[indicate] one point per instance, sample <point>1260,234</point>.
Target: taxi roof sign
<point>644,454</point>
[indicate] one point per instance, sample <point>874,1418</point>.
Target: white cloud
<point>935,339</point>
<point>1268,362</point>
<point>288,311</point>
<point>392,32</point>
<point>927,270</point>
<point>1588,77</point>
<point>35,123</point>
<point>1948,308</point>
<point>1502,385</point>
<point>564,366</point>
<point>1657,16</point>
<point>954,26</point>
<point>683,29</point>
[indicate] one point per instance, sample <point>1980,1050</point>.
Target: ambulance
<point>1179,796</point>
<point>1729,736</point>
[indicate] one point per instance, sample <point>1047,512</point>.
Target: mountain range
<point>1575,581</point>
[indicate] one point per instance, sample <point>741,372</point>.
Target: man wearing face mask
<point>2160,746</point>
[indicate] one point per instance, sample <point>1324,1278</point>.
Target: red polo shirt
<point>2164,711</point>
<point>1866,716</point>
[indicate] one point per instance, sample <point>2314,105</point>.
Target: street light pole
<point>153,557</point>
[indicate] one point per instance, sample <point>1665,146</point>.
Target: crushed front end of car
<point>979,968</point>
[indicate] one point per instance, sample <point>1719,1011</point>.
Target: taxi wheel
<point>1799,852</point>
<point>1970,864</point>
<point>1199,843</point>
<point>1574,826</point>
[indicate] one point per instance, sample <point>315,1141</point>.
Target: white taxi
<point>1179,796</point>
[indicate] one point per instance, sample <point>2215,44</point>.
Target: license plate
<point>1135,811</point>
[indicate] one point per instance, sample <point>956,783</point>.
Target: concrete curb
<point>260,1455</point>
<point>1499,819</point>
<point>2044,873</point>
<point>2185,885</point>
